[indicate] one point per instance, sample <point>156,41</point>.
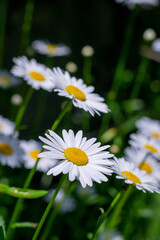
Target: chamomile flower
<point>7,80</point>
<point>143,3</point>
<point>156,45</point>
<point>10,151</point>
<point>143,161</point>
<point>50,49</point>
<point>75,89</point>
<point>31,150</point>
<point>133,175</point>
<point>6,126</point>
<point>150,145</point>
<point>68,204</point>
<point>149,127</point>
<point>82,159</point>
<point>110,235</point>
<point>34,73</point>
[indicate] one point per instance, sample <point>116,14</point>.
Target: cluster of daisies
<point>140,166</point>
<point>87,161</point>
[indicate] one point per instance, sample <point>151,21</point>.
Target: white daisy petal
<point>35,74</point>
<point>132,175</point>
<point>75,89</point>
<point>73,158</point>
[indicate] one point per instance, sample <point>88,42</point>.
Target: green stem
<point>119,72</point>
<point>53,215</point>
<point>3,16</point>
<point>114,218</point>
<point>45,214</point>
<point>19,204</point>
<point>105,215</point>
<point>61,115</point>
<point>23,108</point>
<point>87,65</point>
<point>118,76</point>
<point>26,25</point>
<point>140,77</point>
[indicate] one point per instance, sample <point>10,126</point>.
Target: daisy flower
<point>143,3</point>
<point>34,73</point>
<point>75,89</point>
<point>50,49</point>
<point>133,175</point>
<point>149,127</point>
<point>7,80</point>
<point>10,151</point>
<point>6,126</point>
<point>31,150</point>
<point>150,145</point>
<point>156,45</point>
<point>68,204</point>
<point>143,161</point>
<point>82,159</point>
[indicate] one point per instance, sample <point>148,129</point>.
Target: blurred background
<point>76,23</point>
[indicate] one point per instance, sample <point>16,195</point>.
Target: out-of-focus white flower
<point>16,99</point>
<point>110,235</point>
<point>75,89</point>
<point>68,204</point>
<point>156,45</point>
<point>50,49</point>
<point>149,34</point>
<point>150,145</point>
<point>71,67</point>
<point>149,127</point>
<point>34,73</point>
<point>143,3</point>
<point>143,161</point>
<point>31,150</point>
<point>10,151</point>
<point>87,51</point>
<point>82,159</point>
<point>133,175</point>
<point>6,126</point>
<point>7,80</point>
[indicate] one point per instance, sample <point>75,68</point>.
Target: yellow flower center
<point>76,156</point>
<point>146,167</point>
<point>0,126</point>
<point>155,135</point>
<point>130,176</point>
<point>34,154</point>
<point>5,80</point>
<point>76,92</point>
<point>6,149</point>
<point>51,48</point>
<point>151,148</point>
<point>37,76</point>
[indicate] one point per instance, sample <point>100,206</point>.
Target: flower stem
<point>122,197</point>
<point>120,68</point>
<point>140,77</point>
<point>23,108</point>
<point>26,27</point>
<point>118,76</point>
<point>53,215</point>
<point>114,218</point>
<point>45,214</point>
<point>105,215</point>
<point>19,204</point>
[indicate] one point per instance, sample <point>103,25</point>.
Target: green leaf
<point>21,193</point>
<point>2,229</point>
<point>24,225</point>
